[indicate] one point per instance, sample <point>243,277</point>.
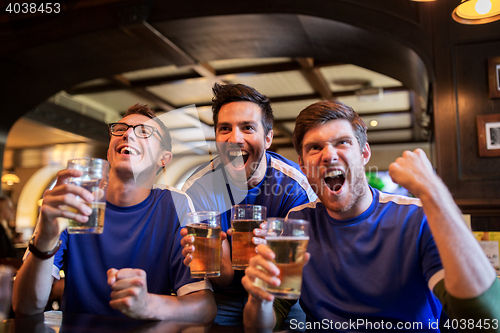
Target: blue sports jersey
<point>374,267</point>
<point>283,187</point>
<point>144,236</point>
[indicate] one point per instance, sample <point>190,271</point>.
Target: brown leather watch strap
<point>42,255</point>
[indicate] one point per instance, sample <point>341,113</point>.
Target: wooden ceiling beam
<point>315,78</point>
<point>149,36</point>
<point>295,98</point>
<point>142,92</point>
<point>285,131</point>
<point>320,64</point>
<point>261,69</point>
<point>371,114</point>
<point>335,95</point>
<point>141,83</point>
<point>393,129</point>
<point>279,99</point>
<point>386,112</point>
<point>57,116</point>
<point>282,145</point>
<point>205,70</point>
<point>386,90</point>
<point>160,102</point>
<point>198,70</point>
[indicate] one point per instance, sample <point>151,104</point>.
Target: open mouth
<point>128,151</point>
<point>237,158</point>
<point>335,180</point>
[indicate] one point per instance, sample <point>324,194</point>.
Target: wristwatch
<point>39,254</point>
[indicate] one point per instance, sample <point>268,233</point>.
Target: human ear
<point>366,153</point>
<point>269,139</point>
<point>165,158</point>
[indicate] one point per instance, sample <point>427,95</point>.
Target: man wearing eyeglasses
<point>135,266</point>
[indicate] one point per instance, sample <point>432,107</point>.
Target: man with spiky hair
<point>377,260</point>
<point>245,172</point>
<point>136,264</point>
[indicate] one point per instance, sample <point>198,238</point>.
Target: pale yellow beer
<point>244,219</point>
<point>243,247</point>
<point>288,239</point>
<point>290,259</point>
<point>94,178</point>
<point>207,253</point>
<point>94,225</point>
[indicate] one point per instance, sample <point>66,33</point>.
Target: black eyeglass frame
<point>154,129</point>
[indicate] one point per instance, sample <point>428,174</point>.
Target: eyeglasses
<point>141,131</point>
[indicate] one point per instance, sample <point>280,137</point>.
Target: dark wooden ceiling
<point>42,54</point>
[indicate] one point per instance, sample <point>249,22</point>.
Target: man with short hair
<point>139,248</point>
<point>377,260</point>
<point>243,173</point>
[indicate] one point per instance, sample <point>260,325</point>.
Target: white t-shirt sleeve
<point>193,287</point>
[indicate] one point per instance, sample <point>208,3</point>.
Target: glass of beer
<point>205,228</point>
<point>244,219</point>
<point>95,180</point>
<point>288,239</point>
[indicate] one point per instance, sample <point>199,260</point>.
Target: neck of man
<point>356,208</point>
<point>127,191</point>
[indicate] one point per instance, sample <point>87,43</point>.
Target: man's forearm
<point>468,273</point>
<point>259,314</point>
<point>32,286</point>
<point>197,307</point>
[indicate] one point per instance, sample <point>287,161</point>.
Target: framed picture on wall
<point>494,76</point>
<point>488,131</point>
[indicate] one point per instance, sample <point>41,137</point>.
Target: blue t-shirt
<point>144,236</point>
<point>374,267</point>
<point>283,187</point>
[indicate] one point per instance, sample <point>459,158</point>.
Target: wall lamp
<point>477,11</point>
<point>10,179</point>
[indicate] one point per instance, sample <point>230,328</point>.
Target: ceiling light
<point>10,179</point>
<point>477,11</point>
<point>373,123</point>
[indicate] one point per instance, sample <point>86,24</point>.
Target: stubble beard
<point>357,191</point>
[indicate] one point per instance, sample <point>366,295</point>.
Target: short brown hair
<point>143,110</point>
<point>228,93</point>
<point>321,112</point>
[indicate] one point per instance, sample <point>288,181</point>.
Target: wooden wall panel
<point>460,94</point>
<point>472,100</point>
